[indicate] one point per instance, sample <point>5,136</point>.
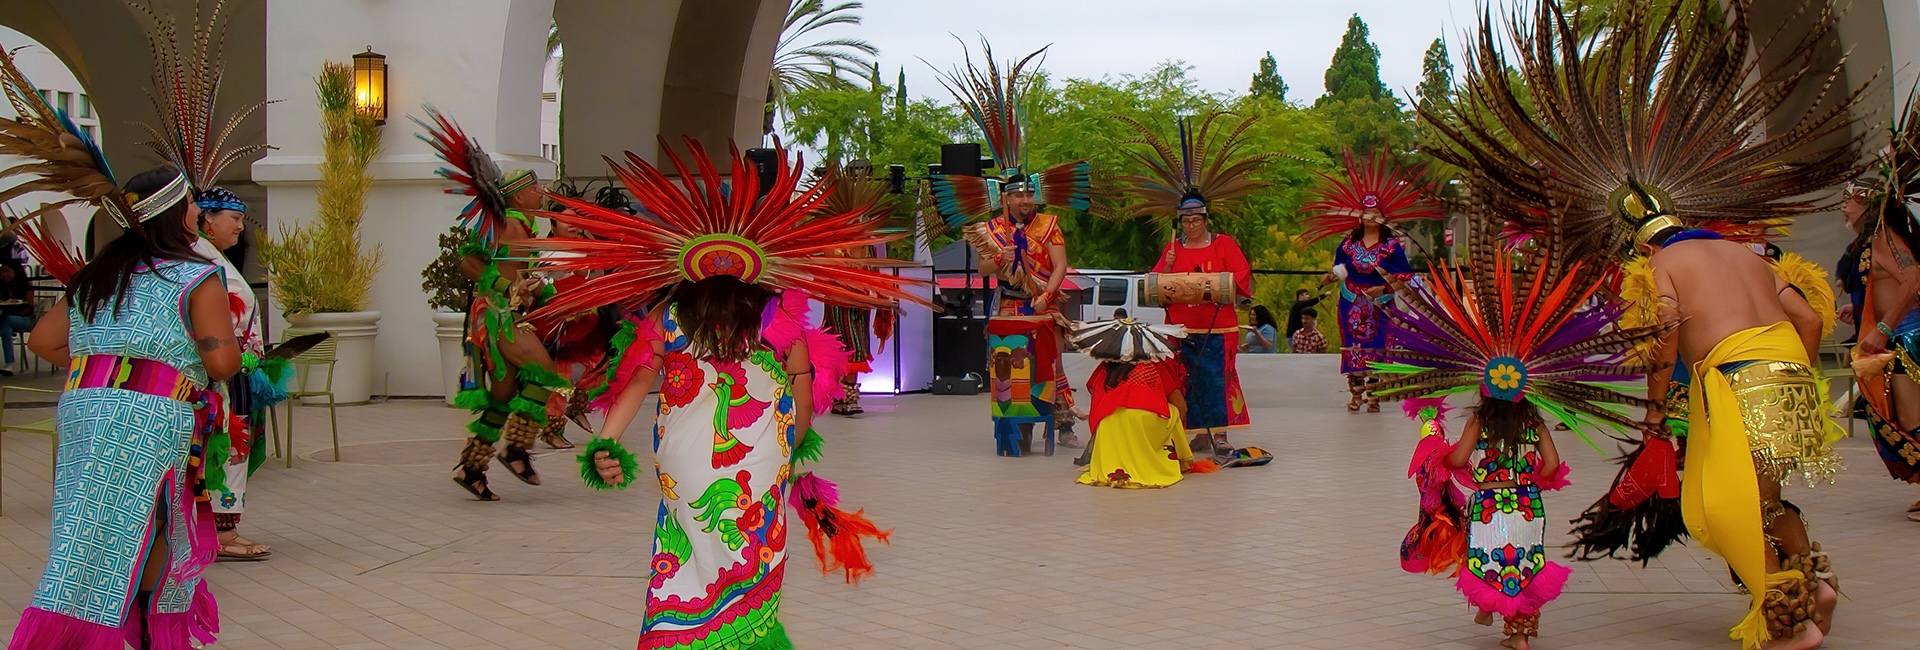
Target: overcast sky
<point>1222,39</point>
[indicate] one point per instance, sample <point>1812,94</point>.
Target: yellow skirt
<point>1137,449</point>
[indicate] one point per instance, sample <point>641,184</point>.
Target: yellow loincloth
<point>1771,422</point>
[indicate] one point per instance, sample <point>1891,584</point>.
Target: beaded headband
<point>168,196</point>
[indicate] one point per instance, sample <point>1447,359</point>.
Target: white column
<point>478,61</point>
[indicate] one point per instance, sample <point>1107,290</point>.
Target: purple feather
<point>809,488</point>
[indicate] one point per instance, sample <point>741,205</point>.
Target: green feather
<point>808,451</point>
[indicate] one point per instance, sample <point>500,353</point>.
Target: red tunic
<point>1148,387</point>
<point>1221,254</point>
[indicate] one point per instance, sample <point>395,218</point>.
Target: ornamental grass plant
<point>321,266</point>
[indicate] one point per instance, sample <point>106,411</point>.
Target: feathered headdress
<point>1671,120</point>
<point>1126,340</point>
<point>1203,165</point>
<point>997,104</point>
<point>186,93</point>
<point>1380,183</point>
<point>700,228</point>
<point>59,156</point>
<point>58,259</point>
<point>1515,336</point>
<point>471,167</point>
<point>854,191</point>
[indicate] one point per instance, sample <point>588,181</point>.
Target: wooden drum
<point>1189,289</point>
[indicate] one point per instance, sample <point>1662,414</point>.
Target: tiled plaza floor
<point>381,550</point>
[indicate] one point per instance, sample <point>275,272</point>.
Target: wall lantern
<point>370,84</point>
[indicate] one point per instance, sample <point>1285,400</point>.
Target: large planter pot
<point>450,328</point>
<point>353,334</point>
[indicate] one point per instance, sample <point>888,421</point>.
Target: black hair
<point>1360,231</point>
<point>1263,316</point>
<point>164,237</point>
<point>1116,373</point>
<point>720,316</point>
<point>1504,424</point>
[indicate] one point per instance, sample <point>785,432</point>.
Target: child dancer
<point>1138,439</point>
<point>1529,347</point>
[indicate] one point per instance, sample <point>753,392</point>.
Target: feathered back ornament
<point>186,92</point>
<point>469,165</point>
<point>59,157</point>
<point>996,102</point>
<point>1126,340</point>
<point>1670,120</point>
<point>1515,336</point>
<point>59,260</point>
<point>855,191</point>
<point>1203,163</point>
<point>1380,184</point>
<point>700,228</point>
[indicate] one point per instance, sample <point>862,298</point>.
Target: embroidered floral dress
<point>1363,319</point>
<point>722,444</point>
<point>1506,569</point>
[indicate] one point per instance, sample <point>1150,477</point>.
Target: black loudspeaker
<point>766,165</point>
<point>960,159</point>
<point>897,179</point>
<point>959,347</point>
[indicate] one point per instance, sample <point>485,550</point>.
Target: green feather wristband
<point>629,466</point>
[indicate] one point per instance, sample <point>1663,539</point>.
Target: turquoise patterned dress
<point>121,452</point>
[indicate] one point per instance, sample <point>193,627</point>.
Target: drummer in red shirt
<point>1214,401</point>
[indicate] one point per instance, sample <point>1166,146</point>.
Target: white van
<point>1106,290</point>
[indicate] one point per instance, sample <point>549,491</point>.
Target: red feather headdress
<point>700,228</point>
<point>1380,181</point>
<point>469,165</point>
<point>1203,163</point>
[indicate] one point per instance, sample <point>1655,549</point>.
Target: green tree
<point>815,65</point>
<point>1267,82</point>
<point>1436,75</point>
<point>1355,71</point>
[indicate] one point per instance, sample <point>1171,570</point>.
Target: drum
<point>1189,289</point>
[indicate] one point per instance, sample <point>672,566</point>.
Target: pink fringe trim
<point>789,324</point>
<point>40,629</point>
<point>1545,587</point>
<point>1555,480</point>
<point>201,622</point>
<point>638,354</point>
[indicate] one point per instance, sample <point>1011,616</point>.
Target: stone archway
<point>105,47</point>
<point>637,69</point>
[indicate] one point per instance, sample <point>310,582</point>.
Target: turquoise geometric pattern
<point>121,453</point>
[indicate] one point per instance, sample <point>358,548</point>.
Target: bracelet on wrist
<point>1884,329</point>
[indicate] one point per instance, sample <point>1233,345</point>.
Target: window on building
<point>93,132</point>
<point>86,106</point>
<point>46,96</point>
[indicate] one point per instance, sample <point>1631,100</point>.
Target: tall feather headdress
<point>996,102</point>
<point>1201,163</point>
<point>700,228</point>
<point>1661,123</point>
<point>187,70</point>
<point>1517,329</point>
<point>59,157</point>
<point>1381,182</point>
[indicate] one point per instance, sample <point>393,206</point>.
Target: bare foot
<point>1483,618</point>
<point>1809,638</point>
<point>1825,601</point>
<point>1517,642</point>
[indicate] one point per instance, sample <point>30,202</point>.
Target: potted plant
<point>449,293</point>
<point>319,272</point>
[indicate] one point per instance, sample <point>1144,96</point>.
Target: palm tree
<point>814,65</point>
<point>553,50</point>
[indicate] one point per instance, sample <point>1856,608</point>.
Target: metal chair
<point>320,355</point>
<point>43,427</point>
